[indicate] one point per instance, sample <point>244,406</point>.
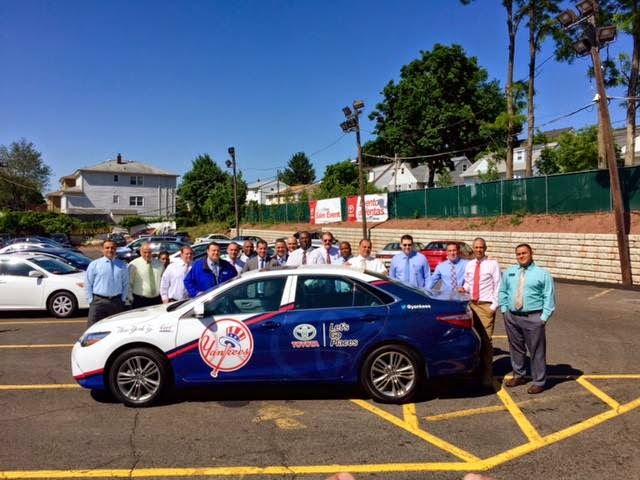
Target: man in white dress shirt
<point>328,253</point>
<point>172,282</point>
<point>365,260</point>
<point>233,256</point>
<point>302,255</point>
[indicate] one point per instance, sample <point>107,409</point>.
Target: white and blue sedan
<point>317,323</point>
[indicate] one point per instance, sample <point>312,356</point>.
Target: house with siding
<point>116,189</point>
<point>400,176</point>
<point>265,192</point>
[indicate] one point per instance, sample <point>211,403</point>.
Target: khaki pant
<point>483,321</point>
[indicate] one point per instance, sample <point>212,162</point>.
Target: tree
<point>23,176</point>
<point>299,171</point>
<point>207,192</point>
<point>445,179</point>
<point>492,174</point>
<point>574,152</point>
<point>443,102</point>
<point>341,180</point>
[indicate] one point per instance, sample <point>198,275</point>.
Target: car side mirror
<point>198,310</point>
<point>36,274</point>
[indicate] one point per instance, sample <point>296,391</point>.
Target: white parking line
<point>604,292</point>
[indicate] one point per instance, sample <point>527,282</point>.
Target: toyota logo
<point>304,332</point>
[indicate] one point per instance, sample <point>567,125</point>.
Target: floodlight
<point>358,104</point>
<point>567,18</point>
<point>582,46</point>
<point>346,111</point>
<point>606,34</point>
<point>585,7</point>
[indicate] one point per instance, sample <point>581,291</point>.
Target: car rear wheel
<point>138,377</point>
<point>391,374</point>
<point>62,304</point>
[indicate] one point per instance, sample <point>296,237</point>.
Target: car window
<point>53,265</point>
<point>331,292</point>
<point>256,296</point>
<point>466,249</point>
<point>437,246</point>
<point>16,268</point>
<point>392,246</point>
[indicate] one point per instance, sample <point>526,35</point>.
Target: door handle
<point>370,318</point>
<point>271,325</point>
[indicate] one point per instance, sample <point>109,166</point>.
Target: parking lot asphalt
<point>584,426</point>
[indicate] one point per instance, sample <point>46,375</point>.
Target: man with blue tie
<point>449,273</point>
<point>279,260</point>
<point>261,260</point>
<point>107,284</point>
<point>208,272</point>
<point>409,266</point>
<point>527,300</point>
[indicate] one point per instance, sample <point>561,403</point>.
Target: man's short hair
<point>281,240</point>
<point>109,241</point>
<point>262,242</point>
<point>406,236</point>
<point>365,240</point>
<point>344,242</point>
<point>184,247</point>
<point>212,244</point>
<point>526,245</point>
<point>480,239</point>
<point>455,244</point>
<point>327,233</point>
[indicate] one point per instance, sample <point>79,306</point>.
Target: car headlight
<point>91,338</point>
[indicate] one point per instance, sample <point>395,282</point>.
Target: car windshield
<point>75,257</point>
<point>437,246</point>
<point>55,266</point>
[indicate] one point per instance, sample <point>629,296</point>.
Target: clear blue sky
<point>164,81</point>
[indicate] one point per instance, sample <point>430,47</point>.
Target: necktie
<point>215,271</point>
<point>261,263</point>
<point>454,279</point>
<point>304,257</point>
<point>476,282</point>
<point>407,270</point>
<point>363,263</point>
<point>328,258</point>
<point>520,290</point>
<point>152,280</point>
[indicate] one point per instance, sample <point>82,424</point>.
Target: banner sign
<point>376,207</point>
<point>328,210</point>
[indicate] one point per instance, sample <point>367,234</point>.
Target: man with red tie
<point>482,282</point>
<point>328,253</point>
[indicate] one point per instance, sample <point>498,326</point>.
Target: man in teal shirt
<point>527,300</point>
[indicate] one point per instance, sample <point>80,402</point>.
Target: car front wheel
<point>62,304</point>
<point>391,374</point>
<point>138,377</point>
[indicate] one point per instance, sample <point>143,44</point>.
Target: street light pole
<point>232,163</point>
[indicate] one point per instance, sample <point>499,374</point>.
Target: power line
<point>328,146</point>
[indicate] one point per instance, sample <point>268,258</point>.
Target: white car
<point>32,281</point>
<point>212,237</point>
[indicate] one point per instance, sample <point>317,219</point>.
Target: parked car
<point>62,239</point>
<point>158,246</point>
<point>391,249</point>
<point>212,237</point>
<point>39,240</point>
<point>118,238</point>
<point>200,249</point>
<point>306,324</point>
<point>130,251</point>
<point>31,281</point>
<point>241,238</point>
<point>436,251</point>
<point>27,246</point>
<point>75,259</point>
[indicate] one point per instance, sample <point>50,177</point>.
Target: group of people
<point>525,294</point>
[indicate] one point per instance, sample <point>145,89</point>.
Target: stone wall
<point>575,256</point>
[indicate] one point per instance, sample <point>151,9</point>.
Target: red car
<point>436,251</point>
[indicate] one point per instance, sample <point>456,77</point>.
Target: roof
<point>66,191</point>
<point>299,189</point>
<point>113,166</point>
<point>264,183</point>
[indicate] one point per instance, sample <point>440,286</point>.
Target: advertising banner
<point>328,210</point>
<point>376,208</point>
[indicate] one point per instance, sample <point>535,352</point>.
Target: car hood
<point>132,317</point>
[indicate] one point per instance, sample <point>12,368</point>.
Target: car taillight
<point>462,320</point>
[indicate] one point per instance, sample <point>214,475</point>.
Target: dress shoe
<point>514,382</point>
<point>535,389</point>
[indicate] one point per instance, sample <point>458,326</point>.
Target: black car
<point>118,238</point>
<point>75,259</point>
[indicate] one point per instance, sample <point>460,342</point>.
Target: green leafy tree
<point>299,171</point>
<point>23,176</point>
<point>442,102</point>
<point>445,179</point>
<point>574,152</point>
<point>341,180</point>
<point>206,192</point>
<point>492,174</point>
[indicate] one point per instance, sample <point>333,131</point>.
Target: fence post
<point>546,194</point>
<point>426,211</point>
<point>458,193</point>
<point>501,194</point>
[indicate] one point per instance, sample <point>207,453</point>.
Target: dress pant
<point>140,301</point>
<point>526,331</point>
<point>103,307</point>
<point>483,321</point>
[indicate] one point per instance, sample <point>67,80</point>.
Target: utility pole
<point>232,163</point>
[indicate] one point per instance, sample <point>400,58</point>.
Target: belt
<point>479,302</point>
<point>525,314</point>
<point>106,298</point>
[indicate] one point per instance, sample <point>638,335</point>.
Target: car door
<point>333,318</point>
<point>17,288</point>
<point>233,341</point>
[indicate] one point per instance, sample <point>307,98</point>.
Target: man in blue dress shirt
<point>450,273</point>
<point>409,266</point>
<point>107,284</point>
<point>527,300</point>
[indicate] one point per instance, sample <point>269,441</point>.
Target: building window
<point>115,179</point>
<point>464,168</point>
<point>116,199</point>
<point>135,180</point>
<point>136,201</point>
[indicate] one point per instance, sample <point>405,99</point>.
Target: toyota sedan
<point>317,323</point>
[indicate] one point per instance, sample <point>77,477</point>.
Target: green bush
<point>37,223</point>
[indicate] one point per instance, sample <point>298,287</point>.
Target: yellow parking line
<point>499,337</point>
<point>604,292</point>
<point>465,413</point>
<point>48,386</point>
<point>40,345</point>
<point>42,322</point>
<point>432,439</point>
<point>409,414</point>
<point>598,393</point>
<point>630,376</point>
<point>523,422</point>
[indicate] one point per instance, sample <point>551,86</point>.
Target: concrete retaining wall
<point>576,256</point>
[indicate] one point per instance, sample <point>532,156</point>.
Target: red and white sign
<point>226,345</point>
<point>376,207</point>
<point>328,210</point>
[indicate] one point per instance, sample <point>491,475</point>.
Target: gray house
<point>116,188</point>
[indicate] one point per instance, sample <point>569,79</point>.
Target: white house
<point>265,192</point>
<point>116,188</point>
<point>400,177</point>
